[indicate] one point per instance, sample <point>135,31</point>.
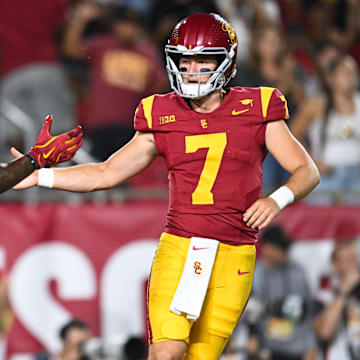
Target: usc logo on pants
<point>197,267</point>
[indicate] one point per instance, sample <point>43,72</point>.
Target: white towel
<point>191,290</point>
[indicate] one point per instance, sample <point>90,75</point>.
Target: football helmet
<point>202,34</point>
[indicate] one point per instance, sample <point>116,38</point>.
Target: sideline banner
<point>91,262</point>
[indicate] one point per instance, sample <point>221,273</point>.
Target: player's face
<point>196,64</point>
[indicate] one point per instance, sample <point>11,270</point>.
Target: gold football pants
<point>227,295</point>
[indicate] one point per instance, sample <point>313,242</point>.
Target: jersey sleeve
<point>143,115</point>
<point>274,105</point>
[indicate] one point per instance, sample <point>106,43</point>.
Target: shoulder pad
<point>273,103</point>
<point>143,114</point>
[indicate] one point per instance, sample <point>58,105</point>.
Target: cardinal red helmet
<point>202,34</point>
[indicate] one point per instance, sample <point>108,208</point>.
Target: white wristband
<point>46,178</point>
<point>283,196</point>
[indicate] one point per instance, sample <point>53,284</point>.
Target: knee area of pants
<point>175,329</point>
<point>163,355</point>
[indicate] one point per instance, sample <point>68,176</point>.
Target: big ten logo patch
<point>197,267</point>
<point>166,119</point>
<point>126,69</point>
<point>231,31</point>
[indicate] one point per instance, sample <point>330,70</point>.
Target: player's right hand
<point>51,150</point>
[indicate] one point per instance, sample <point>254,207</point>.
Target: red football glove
<point>51,150</point>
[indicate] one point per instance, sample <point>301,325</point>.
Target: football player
<point>214,142</point>
<point>47,151</point>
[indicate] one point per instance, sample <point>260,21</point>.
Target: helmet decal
<point>231,31</point>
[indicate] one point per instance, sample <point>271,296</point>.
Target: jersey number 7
<point>216,144</point>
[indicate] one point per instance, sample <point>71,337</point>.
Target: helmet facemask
<point>217,80</point>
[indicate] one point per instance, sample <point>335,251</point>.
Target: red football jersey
<point>214,159</point>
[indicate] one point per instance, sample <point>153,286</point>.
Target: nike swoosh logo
<point>234,112</point>
<point>196,248</point>
<point>243,272</point>
<point>45,156</point>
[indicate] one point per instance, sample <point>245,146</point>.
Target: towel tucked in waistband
<point>194,281</point>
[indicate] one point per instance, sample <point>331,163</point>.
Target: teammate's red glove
<point>51,150</point>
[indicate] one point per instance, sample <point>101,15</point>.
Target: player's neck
<point>208,103</point>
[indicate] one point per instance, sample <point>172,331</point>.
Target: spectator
<point>322,59</point>
<point>31,77</point>
<point>270,65</point>
<point>339,18</point>
<point>123,69</point>
<point>345,23</point>
<point>244,15</point>
<point>332,123</point>
<point>73,334</point>
<point>319,15</point>
<point>338,321</point>
<point>280,327</point>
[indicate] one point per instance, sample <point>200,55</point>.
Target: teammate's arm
<point>293,158</point>
<point>122,165</point>
<point>12,173</point>
<point>47,151</point>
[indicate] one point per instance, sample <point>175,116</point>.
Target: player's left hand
<point>261,213</point>
<point>51,150</point>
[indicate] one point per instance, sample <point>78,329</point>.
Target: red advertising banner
<point>91,262</point>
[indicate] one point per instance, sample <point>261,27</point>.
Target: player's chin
<point>203,96</point>
<point>200,97</point>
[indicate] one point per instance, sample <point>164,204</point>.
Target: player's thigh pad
<point>227,296</point>
<point>165,275</point>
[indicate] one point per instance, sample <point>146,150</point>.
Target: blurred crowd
<point>91,62</point>
<point>288,320</point>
